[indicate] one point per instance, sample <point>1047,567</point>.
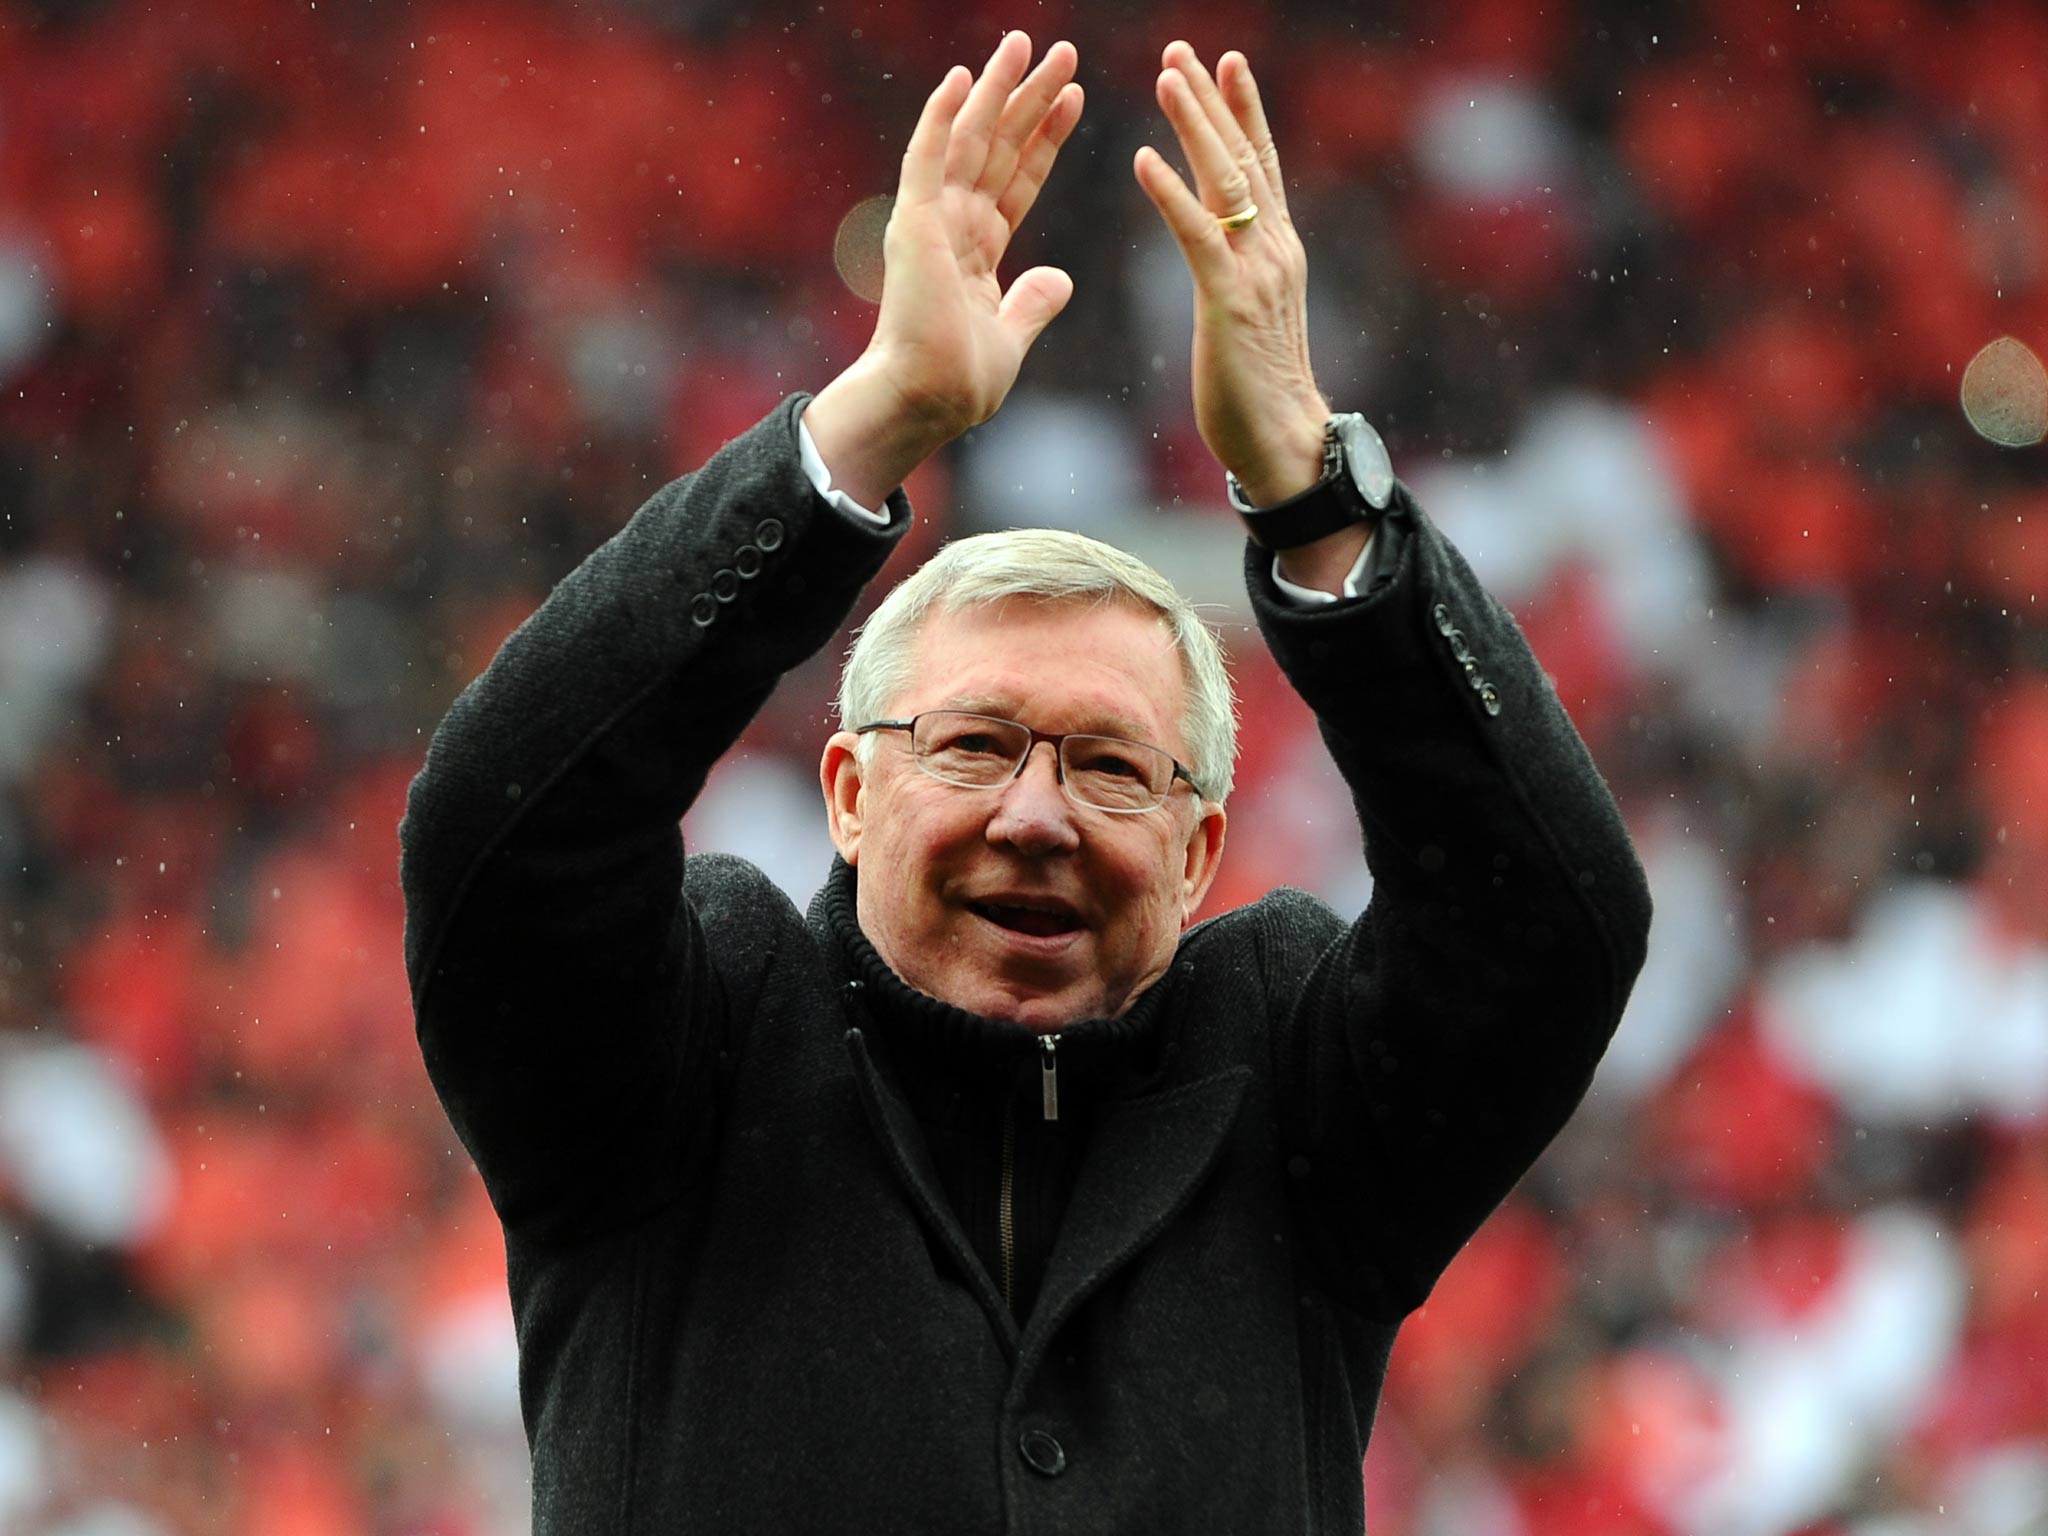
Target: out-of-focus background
<point>333,332</point>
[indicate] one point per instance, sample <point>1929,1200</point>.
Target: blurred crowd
<point>332,334</point>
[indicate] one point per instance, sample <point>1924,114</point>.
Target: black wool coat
<point>743,1301</point>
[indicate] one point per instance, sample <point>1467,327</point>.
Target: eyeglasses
<point>1105,773</point>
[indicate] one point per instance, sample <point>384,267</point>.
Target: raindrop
<point>857,248</point>
<point>2005,394</point>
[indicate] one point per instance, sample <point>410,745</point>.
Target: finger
<point>976,124</point>
<point>1221,180</point>
<point>1234,74</point>
<point>1032,302</point>
<point>1035,163</point>
<point>1194,228</point>
<point>1026,109</point>
<point>1182,57</point>
<point>924,159</point>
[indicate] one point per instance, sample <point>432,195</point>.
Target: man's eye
<point>1111,765</point>
<point>970,743</point>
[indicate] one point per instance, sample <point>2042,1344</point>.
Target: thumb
<point>1032,302</point>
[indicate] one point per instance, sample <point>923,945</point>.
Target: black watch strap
<point>1357,486</point>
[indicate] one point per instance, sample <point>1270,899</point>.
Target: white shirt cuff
<point>1355,580</point>
<point>821,477</point>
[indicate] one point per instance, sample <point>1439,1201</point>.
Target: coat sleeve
<point>564,1000</point>
<point>1430,1051</point>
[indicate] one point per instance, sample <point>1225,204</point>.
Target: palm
<point>1256,402</point>
<point>953,336</point>
<point>944,299</point>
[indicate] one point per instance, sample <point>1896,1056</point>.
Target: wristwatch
<point>1357,486</point>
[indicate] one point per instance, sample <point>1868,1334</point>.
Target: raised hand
<point>1256,401</point>
<point>950,339</point>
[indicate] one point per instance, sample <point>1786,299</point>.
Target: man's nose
<point>1032,811</point>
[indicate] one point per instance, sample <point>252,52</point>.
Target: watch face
<point>1372,471</point>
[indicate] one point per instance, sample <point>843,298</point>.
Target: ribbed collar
<point>955,1064</point>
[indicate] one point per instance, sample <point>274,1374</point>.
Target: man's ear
<point>1204,857</point>
<point>839,775</point>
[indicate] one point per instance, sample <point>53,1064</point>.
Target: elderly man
<point>992,1196</point>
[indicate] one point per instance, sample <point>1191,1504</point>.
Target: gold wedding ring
<point>1233,222</point>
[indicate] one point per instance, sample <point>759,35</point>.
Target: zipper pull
<point>1049,1074</point>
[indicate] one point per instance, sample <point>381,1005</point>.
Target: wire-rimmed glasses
<point>1104,773</point>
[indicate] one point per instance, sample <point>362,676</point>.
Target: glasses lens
<point>976,750</point>
<point>1113,774</point>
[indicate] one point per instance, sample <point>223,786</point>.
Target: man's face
<point>944,871</point>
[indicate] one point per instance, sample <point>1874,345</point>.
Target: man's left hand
<point>1256,401</point>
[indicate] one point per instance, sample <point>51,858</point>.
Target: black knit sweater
<point>976,1084</point>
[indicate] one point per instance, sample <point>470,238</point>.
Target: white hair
<point>1045,565</point>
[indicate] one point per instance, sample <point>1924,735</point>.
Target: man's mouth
<point>1038,921</point>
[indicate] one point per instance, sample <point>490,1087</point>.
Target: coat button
<point>1489,697</point>
<point>725,584</point>
<point>1042,1453</point>
<point>1442,615</point>
<point>768,534</point>
<point>703,610</point>
<point>747,561</point>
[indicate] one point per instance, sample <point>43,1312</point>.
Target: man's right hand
<point>949,340</point>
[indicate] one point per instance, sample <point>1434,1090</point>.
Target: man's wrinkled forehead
<point>1031,680</point>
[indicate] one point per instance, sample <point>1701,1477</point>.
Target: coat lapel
<point>1146,1157</point>
<point>910,1156</point>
